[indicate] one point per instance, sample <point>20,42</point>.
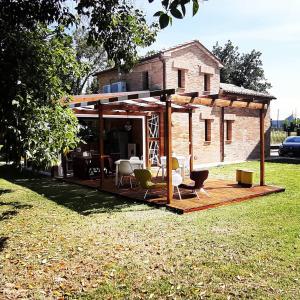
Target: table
<point>181,159</point>
<point>136,164</point>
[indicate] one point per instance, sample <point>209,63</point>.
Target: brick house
<point>190,67</point>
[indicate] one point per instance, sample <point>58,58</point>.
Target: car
<point>290,146</point>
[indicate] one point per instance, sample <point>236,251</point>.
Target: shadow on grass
<point>284,160</point>
<point>16,206</point>
<point>5,191</point>
<point>3,242</point>
<point>80,199</point>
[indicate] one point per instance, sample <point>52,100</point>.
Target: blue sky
<point>270,26</point>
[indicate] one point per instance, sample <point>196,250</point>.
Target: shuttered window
<point>207,130</point>
<point>229,130</point>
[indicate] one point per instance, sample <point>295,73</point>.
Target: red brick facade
<point>197,64</point>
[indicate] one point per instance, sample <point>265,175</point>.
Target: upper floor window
<point>145,79</point>
<point>180,77</point>
<point>206,87</point>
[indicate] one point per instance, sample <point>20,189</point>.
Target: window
<point>180,78</point>
<point>206,83</point>
<point>228,130</point>
<point>145,79</point>
<point>207,130</point>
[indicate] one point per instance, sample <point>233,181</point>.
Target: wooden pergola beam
<point>184,100</point>
<point>113,97</point>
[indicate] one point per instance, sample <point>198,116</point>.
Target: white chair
<point>176,181</point>
<point>187,165</point>
<point>125,170</point>
<point>134,158</point>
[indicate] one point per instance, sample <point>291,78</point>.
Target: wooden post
<point>191,152</point>
<point>262,147</point>
<point>147,142</point>
<point>161,133</point>
<point>101,142</point>
<point>169,149</point>
<point>222,143</point>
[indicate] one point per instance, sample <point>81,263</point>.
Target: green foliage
<point>92,87</point>
<point>90,57</point>
<point>241,69</point>
<point>291,126</point>
<point>277,136</point>
<point>37,68</point>
<point>51,130</point>
<point>174,8</point>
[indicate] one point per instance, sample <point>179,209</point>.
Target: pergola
<point>165,102</point>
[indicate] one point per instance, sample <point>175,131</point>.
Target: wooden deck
<point>221,192</point>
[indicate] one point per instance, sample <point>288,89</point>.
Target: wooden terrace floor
<point>221,192</point>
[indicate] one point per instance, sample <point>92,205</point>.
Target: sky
<point>269,26</point>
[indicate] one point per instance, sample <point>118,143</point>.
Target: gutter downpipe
<point>162,59</point>
<point>162,133</point>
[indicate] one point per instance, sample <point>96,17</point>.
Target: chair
<point>134,158</point>
<point>198,177</point>
<point>175,164</point>
<point>187,164</point>
<point>144,177</point>
<point>125,170</point>
<point>94,166</point>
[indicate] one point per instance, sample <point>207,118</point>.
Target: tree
<point>37,68</point>
<point>242,69</point>
<point>91,58</point>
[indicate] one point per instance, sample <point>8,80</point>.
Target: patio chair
<point>198,177</point>
<point>125,170</point>
<point>134,158</point>
<point>175,164</point>
<point>144,177</point>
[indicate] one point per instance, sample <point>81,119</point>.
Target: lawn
<point>62,241</point>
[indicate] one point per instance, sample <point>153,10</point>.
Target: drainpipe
<point>162,122</point>
<point>162,59</point>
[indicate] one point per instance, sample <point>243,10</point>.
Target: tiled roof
<point>234,89</point>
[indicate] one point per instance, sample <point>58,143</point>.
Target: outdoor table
<point>181,159</point>
<point>135,164</point>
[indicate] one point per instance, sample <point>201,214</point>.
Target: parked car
<point>290,146</point>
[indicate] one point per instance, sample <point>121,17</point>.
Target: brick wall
<point>245,135</point>
<point>134,79</point>
<point>191,59</point>
<point>194,61</point>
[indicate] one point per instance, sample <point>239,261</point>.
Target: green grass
<point>60,240</point>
